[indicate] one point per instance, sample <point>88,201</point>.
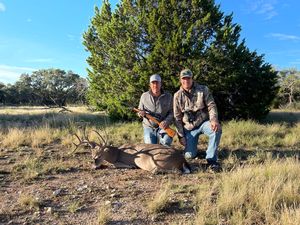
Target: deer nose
<point>97,161</point>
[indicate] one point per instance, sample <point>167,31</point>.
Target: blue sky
<point>41,34</point>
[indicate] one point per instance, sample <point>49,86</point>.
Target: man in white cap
<point>195,113</point>
<point>158,104</point>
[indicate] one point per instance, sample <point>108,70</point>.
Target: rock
<point>113,195</point>
<point>116,206</point>
<point>49,210</point>
<point>154,218</point>
<point>81,188</point>
<point>57,192</point>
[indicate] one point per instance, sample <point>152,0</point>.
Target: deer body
<point>150,157</point>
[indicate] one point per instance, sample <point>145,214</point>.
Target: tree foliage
<point>45,87</point>
<point>289,92</point>
<point>143,37</point>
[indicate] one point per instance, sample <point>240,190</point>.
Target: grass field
<point>259,183</point>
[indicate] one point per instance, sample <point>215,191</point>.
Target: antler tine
<point>77,138</point>
<point>104,142</point>
<point>77,145</point>
<point>84,134</point>
<point>106,135</point>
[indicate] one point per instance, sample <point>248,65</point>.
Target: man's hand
<point>163,125</point>
<point>215,126</point>
<point>182,140</point>
<point>141,113</point>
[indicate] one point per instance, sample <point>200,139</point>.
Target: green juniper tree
<point>144,37</point>
<point>112,39</point>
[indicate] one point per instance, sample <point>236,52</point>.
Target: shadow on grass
<point>179,208</point>
<point>282,117</point>
<point>52,120</point>
<point>245,154</point>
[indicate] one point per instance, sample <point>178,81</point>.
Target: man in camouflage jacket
<point>195,113</point>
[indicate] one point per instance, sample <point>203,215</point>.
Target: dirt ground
<point>72,192</point>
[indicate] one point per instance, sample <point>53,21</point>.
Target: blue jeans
<point>156,135</point>
<point>192,136</point>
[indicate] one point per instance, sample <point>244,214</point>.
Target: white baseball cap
<point>155,77</point>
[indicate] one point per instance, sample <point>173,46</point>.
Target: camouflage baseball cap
<point>186,73</point>
<point>155,77</point>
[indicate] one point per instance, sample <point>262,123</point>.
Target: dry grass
<point>236,134</point>
<point>104,214</point>
<point>14,138</point>
<point>250,134</point>
<point>161,198</point>
<point>29,168</point>
<point>38,126</point>
<point>28,201</point>
<point>264,194</point>
<point>259,190</point>
<point>74,207</point>
<point>33,166</point>
<point>292,137</point>
<point>43,136</point>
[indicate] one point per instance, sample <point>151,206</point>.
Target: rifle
<point>169,130</point>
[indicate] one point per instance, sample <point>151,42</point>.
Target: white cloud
<point>263,7</point>
<point>10,74</point>
<point>285,37</point>
<point>2,7</point>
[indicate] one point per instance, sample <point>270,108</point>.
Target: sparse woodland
<point>43,183</point>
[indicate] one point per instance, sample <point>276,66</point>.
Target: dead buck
<point>150,157</point>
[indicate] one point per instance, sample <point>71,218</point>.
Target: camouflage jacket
<point>192,108</point>
<point>159,107</point>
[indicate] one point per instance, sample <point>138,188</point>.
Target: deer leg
<point>186,168</point>
<point>123,165</point>
<point>156,171</point>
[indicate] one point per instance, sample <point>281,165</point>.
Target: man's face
<point>155,87</point>
<point>186,83</point>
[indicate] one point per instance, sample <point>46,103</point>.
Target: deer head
<point>97,149</point>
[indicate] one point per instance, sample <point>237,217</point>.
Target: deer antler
<point>80,143</point>
<point>84,134</point>
<point>104,141</point>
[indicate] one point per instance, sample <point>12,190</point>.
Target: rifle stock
<point>169,130</point>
